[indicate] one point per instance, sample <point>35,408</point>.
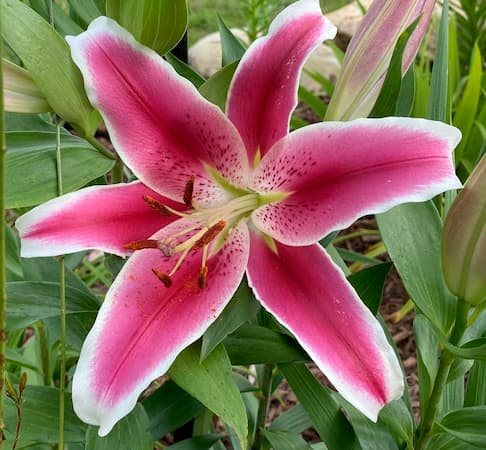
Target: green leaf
<point>295,420</point>
<point>466,424</point>
<point>62,22</point>
<point>468,106</point>
<point>323,410</point>
<point>406,96</point>
<point>399,421</point>
<point>30,301</point>
<point>232,48</point>
<point>242,308</point>
<point>211,383</point>
<point>284,440</point>
<point>476,385</point>
<point>216,88</point>
<point>40,418</point>
<point>46,56</point>
<point>184,70</point>
<point>411,233</point>
<point>369,434</point>
<point>205,442</point>
<point>386,102</point>
<point>313,101</point>
<point>27,122</point>
<point>87,10</point>
<point>369,284</point>
<point>131,433</point>
<point>437,107</point>
<point>447,442</point>
<point>252,344</point>
<point>158,24</point>
<point>31,166</point>
<point>170,407</point>
<point>427,357</point>
<point>349,255</point>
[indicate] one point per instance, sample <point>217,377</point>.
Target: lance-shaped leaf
<point>464,240</point>
<point>369,53</point>
<point>20,93</point>
<point>158,24</point>
<point>46,56</point>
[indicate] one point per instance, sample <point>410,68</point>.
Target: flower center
<point>205,226</point>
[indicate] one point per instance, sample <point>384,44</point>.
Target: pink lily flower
<point>220,195</point>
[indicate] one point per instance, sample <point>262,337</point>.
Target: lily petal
<point>263,92</point>
<point>339,171</point>
<point>102,217</point>
<point>142,325</point>
<point>160,125</point>
<point>309,295</point>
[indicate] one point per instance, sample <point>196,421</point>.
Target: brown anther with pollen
<point>154,204</point>
<point>188,192</point>
<point>140,245</point>
<point>207,237</point>
<point>203,276</point>
<point>166,279</point>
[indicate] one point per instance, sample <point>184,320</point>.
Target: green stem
<point>3,270</point>
<point>44,348</point>
<point>355,234</point>
<point>266,387</point>
<point>98,146</point>
<point>446,360</point>
<point>62,295</point>
<point>117,173</point>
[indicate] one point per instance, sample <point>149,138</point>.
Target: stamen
<point>203,276</point>
<point>188,192</point>
<point>159,207</point>
<point>166,279</point>
<point>140,245</point>
<point>209,235</point>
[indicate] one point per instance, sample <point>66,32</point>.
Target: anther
<point>166,279</point>
<point>203,276</point>
<point>209,235</point>
<point>188,192</point>
<point>159,207</point>
<point>140,245</point>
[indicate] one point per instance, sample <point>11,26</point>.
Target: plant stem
<point>266,387</point>
<point>44,348</point>
<point>62,295</point>
<point>446,360</point>
<point>117,172</point>
<point>3,258</point>
<point>359,233</point>
<point>98,146</point>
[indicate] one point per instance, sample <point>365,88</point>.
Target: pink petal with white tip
<point>336,172</point>
<point>309,295</point>
<point>142,325</point>
<point>102,217</point>
<point>263,92</point>
<point>163,129</point>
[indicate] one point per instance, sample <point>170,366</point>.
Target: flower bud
<point>370,51</point>
<point>21,95</point>
<point>464,240</point>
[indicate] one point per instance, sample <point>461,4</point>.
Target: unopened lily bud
<point>21,95</point>
<point>370,51</point>
<point>22,382</point>
<point>464,240</point>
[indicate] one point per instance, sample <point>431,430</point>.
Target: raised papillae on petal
<point>143,325</point>
<point>164,131</point>
<point>101,217</point>
<point>337,172</point>
<point>308,294</point>
<point>263,92</point>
